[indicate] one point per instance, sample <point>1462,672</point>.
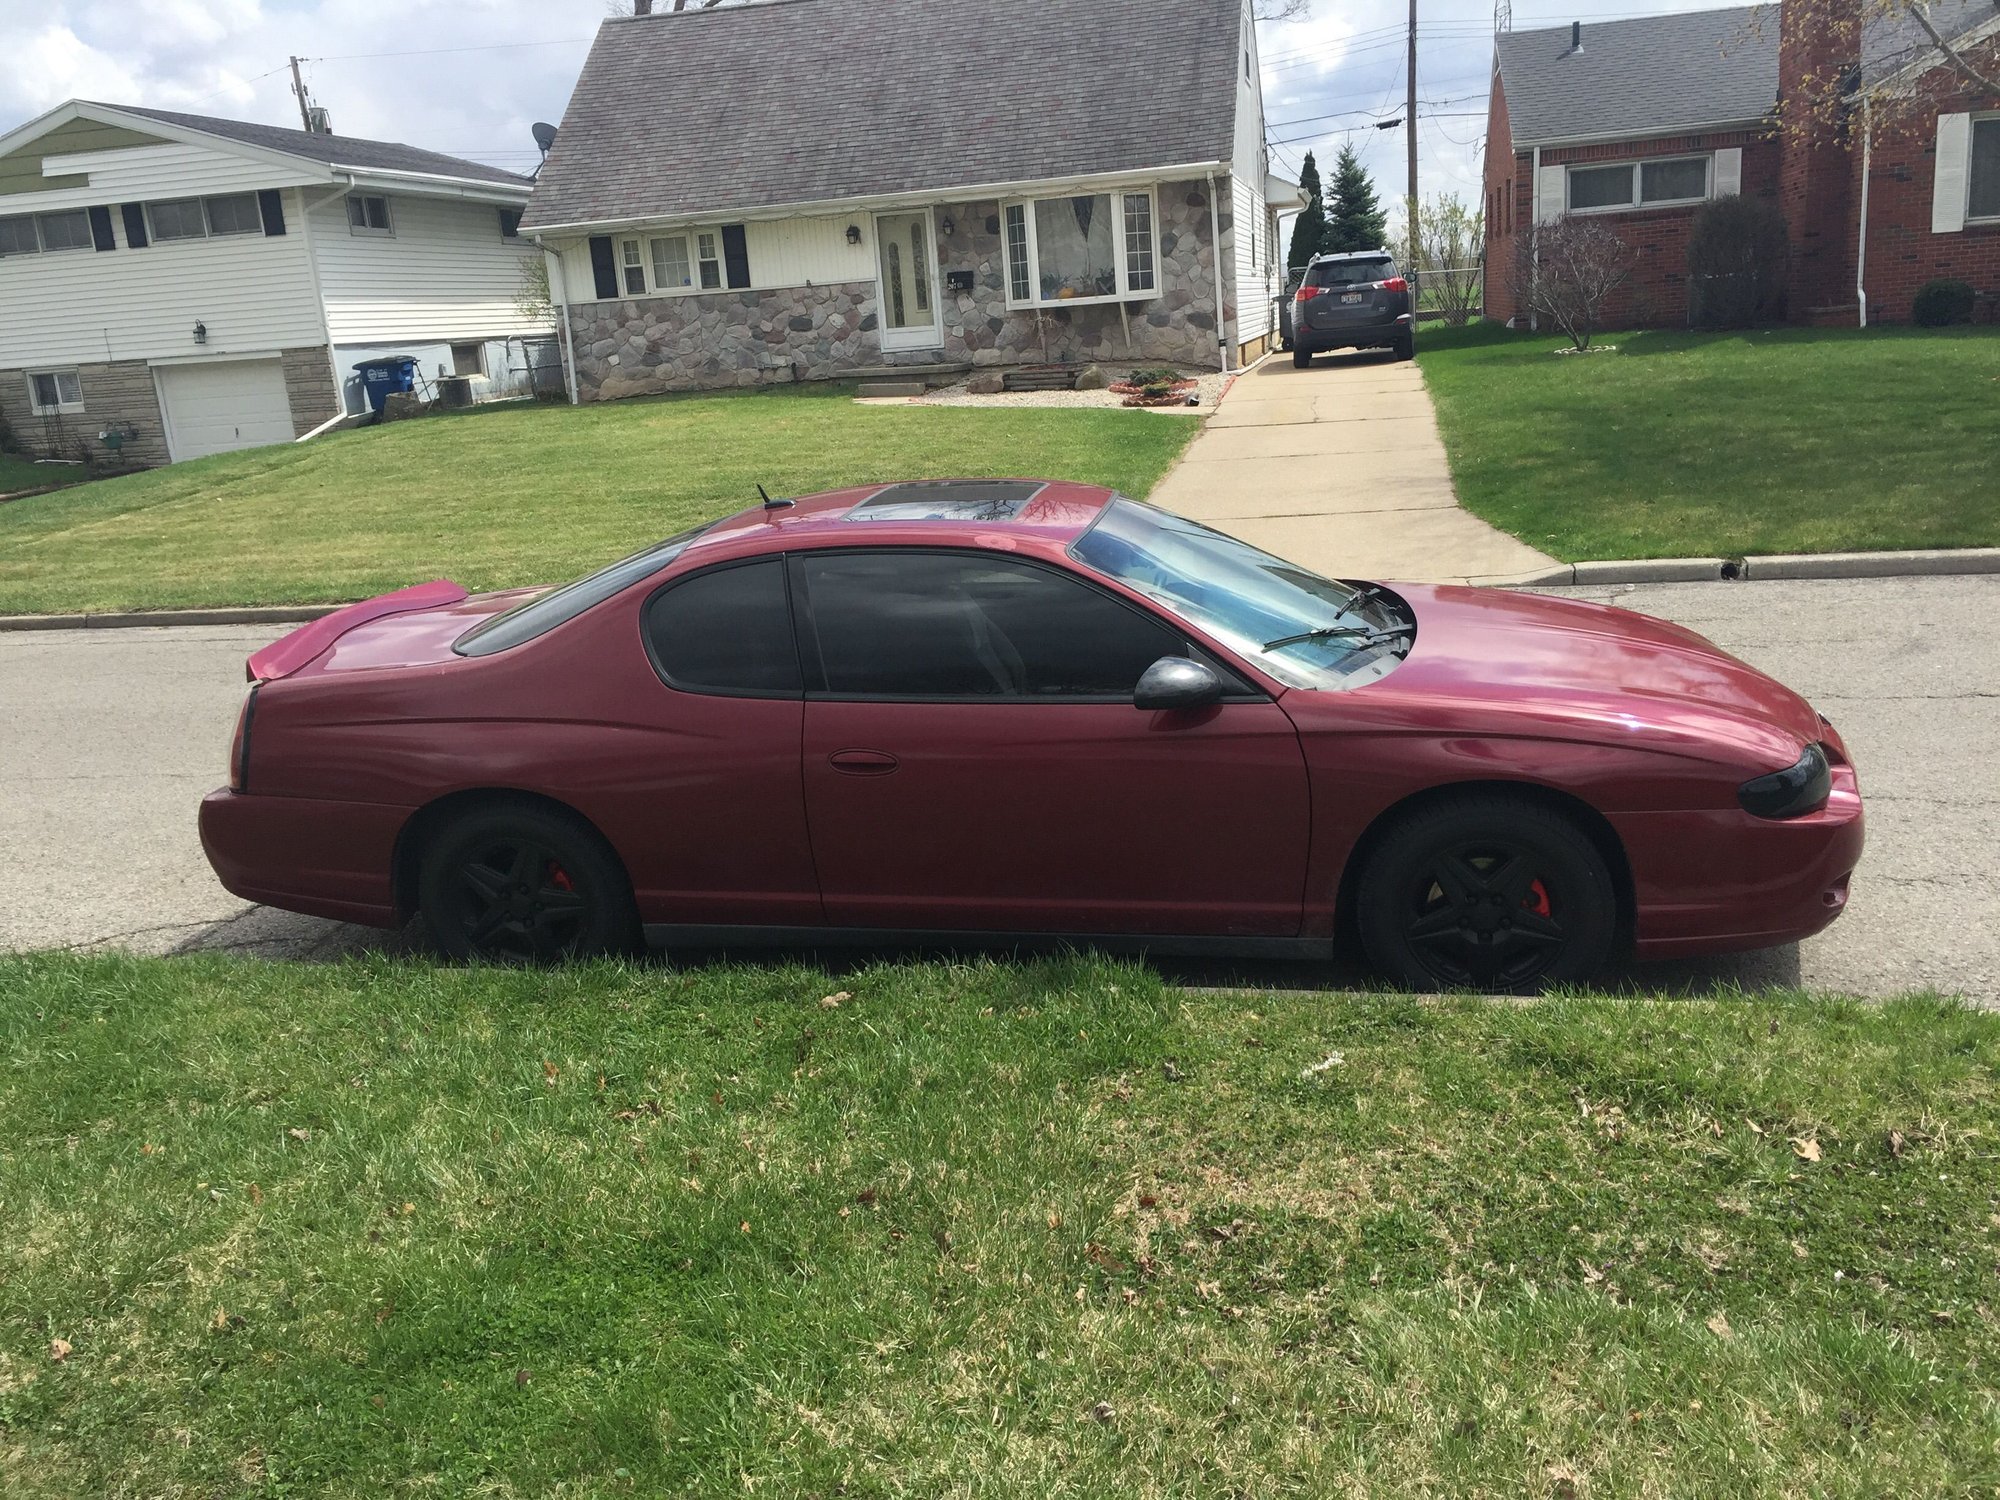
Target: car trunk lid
<point>405,628</point>
<point>1329,302</point>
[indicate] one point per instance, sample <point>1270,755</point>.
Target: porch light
<point>947,227</point>
<point>201,333</point>
<point>853,234</point>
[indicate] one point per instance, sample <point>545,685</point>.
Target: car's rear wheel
<point>1405,346</point>
<point>519,884</point>
<point>1491,894</point>
<point>1301,358</point>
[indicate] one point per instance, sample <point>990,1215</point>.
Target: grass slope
<point>1045,1230</point>
<point>515,494</point>
<point>1721,445</point>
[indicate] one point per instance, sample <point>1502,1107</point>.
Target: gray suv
<point>1354,301</point>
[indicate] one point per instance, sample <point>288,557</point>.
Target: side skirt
<point>696,935</point>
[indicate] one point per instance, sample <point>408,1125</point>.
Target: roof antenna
<point>769,503</point>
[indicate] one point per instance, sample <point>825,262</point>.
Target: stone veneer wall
<point>118,391</point>
<point>643,345</point>
<point>309,388</point>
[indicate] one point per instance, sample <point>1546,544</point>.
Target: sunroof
<point>949,500</point>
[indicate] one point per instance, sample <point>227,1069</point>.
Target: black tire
<point>1301,358</point>
<point>1406,346</point>
<point>521,884</point>
<point>1487,893</point>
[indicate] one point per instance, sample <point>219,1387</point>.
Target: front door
<point>906,269</point>
<point>974,762</point>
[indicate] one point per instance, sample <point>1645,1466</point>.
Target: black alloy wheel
<point>1487,894</point>
<point>524,885</point>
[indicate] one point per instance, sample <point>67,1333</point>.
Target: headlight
<point>1797,790</point>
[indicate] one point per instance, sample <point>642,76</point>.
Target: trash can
<point>381,376</point>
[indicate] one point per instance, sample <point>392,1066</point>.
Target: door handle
<point>863,762</point>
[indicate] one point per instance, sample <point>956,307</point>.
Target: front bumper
<point>326,859</point>
<point>1723,881</point>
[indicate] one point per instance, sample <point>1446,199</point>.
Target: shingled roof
<point>331,150</point>
<point>805,101</point>
<point>1655,75</point>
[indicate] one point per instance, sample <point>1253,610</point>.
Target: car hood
<point>1528,663</point>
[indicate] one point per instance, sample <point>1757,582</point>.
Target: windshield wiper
<point>1342,633</point>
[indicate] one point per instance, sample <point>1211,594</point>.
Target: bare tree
<point>1444,257</point>
<point>1906,46</point>
<point>1570,273</point>
<point>1283,10</point>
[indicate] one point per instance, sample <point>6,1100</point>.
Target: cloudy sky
<point>469,77</point>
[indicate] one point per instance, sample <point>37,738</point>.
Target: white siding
<point>138,173</point>
<point>1251,263</point>
<point>783,253</point>
<point>252,292</point>
<point>446,273</point>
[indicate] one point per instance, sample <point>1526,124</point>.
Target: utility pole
<point>305,113</point>
<point>1410,126</point>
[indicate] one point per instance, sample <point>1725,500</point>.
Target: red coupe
<point>968,711</point>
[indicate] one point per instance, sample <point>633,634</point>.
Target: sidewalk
<point>1340,468</point>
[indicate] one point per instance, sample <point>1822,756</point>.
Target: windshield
<point>543,613</point>
<point>1246,598</point>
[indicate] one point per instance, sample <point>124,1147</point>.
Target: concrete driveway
<point>1340,467</point>
<point>111,737</point>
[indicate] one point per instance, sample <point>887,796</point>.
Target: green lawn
<point>17,474</point>
<point>995,1230</point>
<point>1723,445</point>
<point>515,494</point>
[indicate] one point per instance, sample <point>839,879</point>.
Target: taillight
<point>1395,284</point>
<point>239,744</point>
<point>1307,293</point>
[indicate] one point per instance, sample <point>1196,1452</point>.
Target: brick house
<point>1643,120</point>
<point>803,189</point>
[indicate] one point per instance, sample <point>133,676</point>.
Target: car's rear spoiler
<point>285,656</point>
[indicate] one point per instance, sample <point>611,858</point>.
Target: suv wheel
<point>1405,346</point>
<point>1301,358</point>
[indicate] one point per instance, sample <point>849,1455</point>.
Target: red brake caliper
<point>1538,899</point>
<point>559,878</point>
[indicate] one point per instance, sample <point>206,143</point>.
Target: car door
<point>973,759</point>
<point>712,817</point>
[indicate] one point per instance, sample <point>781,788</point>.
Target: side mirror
<point>1175,682</point>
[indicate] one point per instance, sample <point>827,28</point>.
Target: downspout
<point>1534,237</point>
<point>1215,239</point>
<point>559,290</point>
<point>1861,248</point>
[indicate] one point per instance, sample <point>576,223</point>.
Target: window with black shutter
<point>736,254</point>
<point>602,268</point>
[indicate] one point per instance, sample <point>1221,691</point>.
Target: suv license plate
<point>1350,296</point>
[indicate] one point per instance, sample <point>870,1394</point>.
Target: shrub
<point>1567,274</point>
<point>1738,250</point>
<point>1942,302</point>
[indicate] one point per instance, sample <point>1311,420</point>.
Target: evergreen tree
<point>1354,220</point>
<point>1309,229</point>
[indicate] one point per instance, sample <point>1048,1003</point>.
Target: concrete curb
<point>1928,563</point>
<point>273,614</point>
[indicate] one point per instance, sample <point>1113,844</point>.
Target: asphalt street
<point>108,739</point>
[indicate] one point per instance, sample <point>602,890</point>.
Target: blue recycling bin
<point>381,376</point>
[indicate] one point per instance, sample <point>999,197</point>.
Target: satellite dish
<point>545,135</point>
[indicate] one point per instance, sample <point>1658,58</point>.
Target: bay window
<point>1091,247</point>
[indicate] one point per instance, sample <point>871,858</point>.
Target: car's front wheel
<point>520,884</point>
<point>1492,894</point>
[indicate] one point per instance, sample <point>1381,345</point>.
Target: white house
<point>173,285</point>
<point>799,189</point>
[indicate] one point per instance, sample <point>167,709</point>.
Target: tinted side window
<point>729,631</point>
<point>944,625</point>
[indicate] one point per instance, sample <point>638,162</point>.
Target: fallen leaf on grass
<point>59,1350</point>
<point>1719,1326</point>
<point>1104,1411</point>
<point>1330,1061</point>
<point>520,1378</point>
<point>1805,1148</point>
<point>1897,1141</point>
<point>835,1001</point>
<point>549,1073</point>
<point>256,1194</point>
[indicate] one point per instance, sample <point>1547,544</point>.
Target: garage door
<point>213,408</point>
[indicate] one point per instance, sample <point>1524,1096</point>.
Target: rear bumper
<point>1377,333</point>
<point>1721,882</point>
<point>326,859</point>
